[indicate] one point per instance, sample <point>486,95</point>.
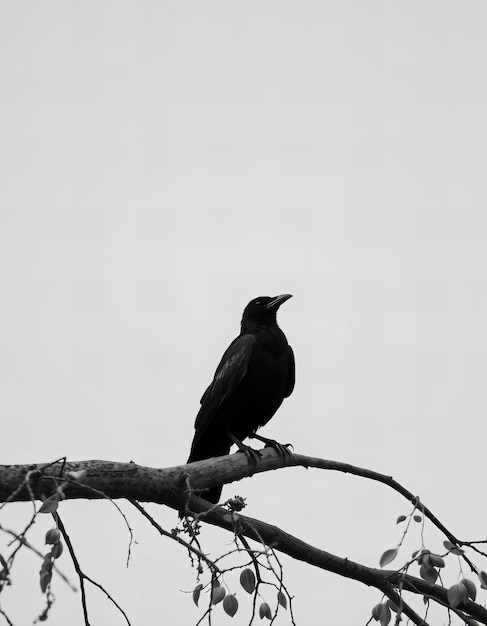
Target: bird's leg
<point>252,455</point>
<point>282,448</point>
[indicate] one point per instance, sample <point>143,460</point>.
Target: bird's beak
<point>276,302</point>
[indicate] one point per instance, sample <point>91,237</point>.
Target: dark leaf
<point>385,616</point>
<point>429,574</point>
<point>57,550</point>
<point>217,595</point>
<point>230,605</point>
<point>52,536</point>
<point>50,504</point>
<point>437,560</point>
<point>388,556</point>
<point>45,573</point>
<point>470,587</point>
<point>265,611</point>
<point>457,594</point>
<point>377,612</point>
<point>452,548</point>
<point>247,580</point>
<point>196,593</point>
<point>281,598</point>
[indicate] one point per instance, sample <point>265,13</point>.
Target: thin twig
<point>82,576</point>
<point>198,553</point>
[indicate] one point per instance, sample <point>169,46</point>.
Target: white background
<point>162,163</point>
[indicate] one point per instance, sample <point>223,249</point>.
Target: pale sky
<point>162,163</point>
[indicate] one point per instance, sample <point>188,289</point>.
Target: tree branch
<point>170,486</point>
<point>163,486</point>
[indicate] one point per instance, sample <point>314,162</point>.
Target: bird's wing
<point>229,374</point>
<point>291,374</point>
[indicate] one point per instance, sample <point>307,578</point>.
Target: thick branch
<point>384,580</point>
<point>163,486</point>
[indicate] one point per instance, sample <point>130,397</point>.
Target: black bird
<point>254,376</point>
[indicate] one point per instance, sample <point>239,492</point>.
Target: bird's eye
<point>258,302</point>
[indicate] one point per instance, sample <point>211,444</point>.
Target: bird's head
<point>263,310</point>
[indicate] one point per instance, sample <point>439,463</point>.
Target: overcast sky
<point>162,163</point>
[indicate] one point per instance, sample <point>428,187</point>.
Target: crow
<point>252,379</point>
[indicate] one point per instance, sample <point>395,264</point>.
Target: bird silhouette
<point>254,376</point>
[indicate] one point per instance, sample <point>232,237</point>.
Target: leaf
<point>247,580</point>
<point>45,579</point>
<point>388,556</point>
<point>376,612</point>
<point>437,560</point>
<point>428,573</point>
<point>78,475</point>
<point>265,611</point>
<point>400,519</point>
<point>385,616</point>
<point>217,594</point>
<point>281,598</point>
<point>196,593</point>
<point>453,548</point>
<point>424,558</point>
<point>457,594</point>
<point>45,573</point>
<point>483,579</point>
<point>49,505</point>
<point>57,550</point>
<point>382,613</point>
<point>230,605</point>
<point>470,587</point>
<point>417,518</point>
<point>52,536</point>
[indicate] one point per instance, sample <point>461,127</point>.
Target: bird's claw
<point>281,448</point>
<point>252,455</point>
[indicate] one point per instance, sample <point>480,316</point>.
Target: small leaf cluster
<point>429,565</point>
<point>382,612</point>
<point>53,537</point>
<point>218,594</point>
<point>460,592</point>
<point>248,582</point>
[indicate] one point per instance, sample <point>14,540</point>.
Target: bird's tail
<point>206,450</point>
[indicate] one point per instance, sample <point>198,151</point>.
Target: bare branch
<point>82,576</point>
<point>198,553</point>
